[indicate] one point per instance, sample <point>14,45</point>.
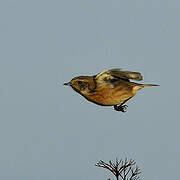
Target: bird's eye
<point>80,83</point>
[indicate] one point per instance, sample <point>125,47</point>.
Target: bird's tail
<point>148,85</point>
<point>140,86</point>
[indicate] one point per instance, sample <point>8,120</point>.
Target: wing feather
<point>118,73</point>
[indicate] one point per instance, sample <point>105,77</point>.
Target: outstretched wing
<point>114,74</point>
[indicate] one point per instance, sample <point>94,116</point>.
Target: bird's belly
<point>110,98</point>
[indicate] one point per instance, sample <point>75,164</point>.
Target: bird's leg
<point>121,107</point>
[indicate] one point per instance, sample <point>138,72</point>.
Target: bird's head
<point>82,84</point>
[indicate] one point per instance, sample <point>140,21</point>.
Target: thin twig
<point>121,169</point>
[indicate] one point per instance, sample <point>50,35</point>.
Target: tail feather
<point>148,85</point>
<point>140,86</point>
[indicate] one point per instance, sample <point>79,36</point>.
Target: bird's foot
<point>121,108</point>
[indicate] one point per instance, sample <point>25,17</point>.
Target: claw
<point>121,108</point>
<point>124,107</point>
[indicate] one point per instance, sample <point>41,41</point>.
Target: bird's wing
<point>118,73</point>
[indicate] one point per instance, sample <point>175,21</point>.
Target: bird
<point>109,88</point>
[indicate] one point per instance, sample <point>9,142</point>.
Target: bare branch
<point>121,169</point>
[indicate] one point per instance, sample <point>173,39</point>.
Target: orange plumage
<point>108,88</point>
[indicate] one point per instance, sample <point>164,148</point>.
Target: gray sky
<point>48,131</point>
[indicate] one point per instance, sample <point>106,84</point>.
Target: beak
<point>67,84</point>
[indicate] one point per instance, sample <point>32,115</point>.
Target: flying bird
<point>109,88</point>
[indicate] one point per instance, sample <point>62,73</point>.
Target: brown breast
<point>109,95</point>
